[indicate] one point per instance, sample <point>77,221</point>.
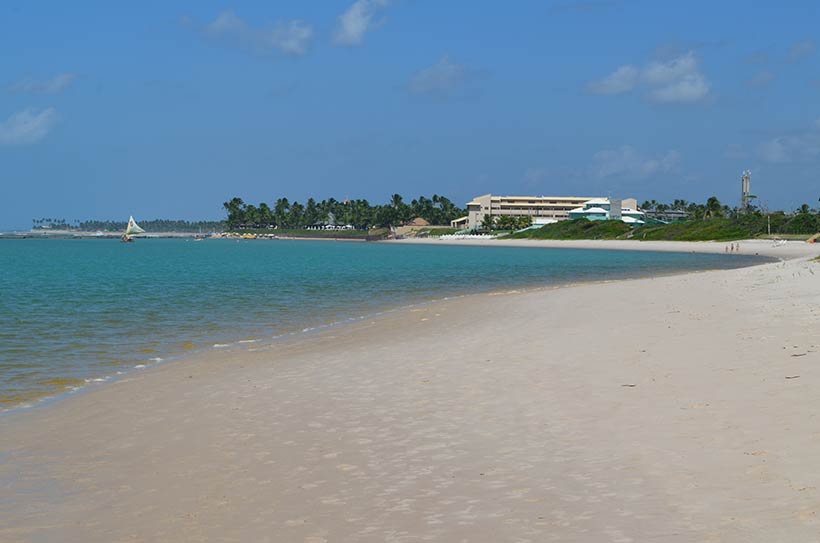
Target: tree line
<point>362,215</point>
<point>53,223</point>
<point>712,208</point>
<point>505,222</point>
<point>158,225</point>
<point>803,220</point>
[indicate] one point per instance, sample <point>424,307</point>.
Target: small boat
<point>131,229</point>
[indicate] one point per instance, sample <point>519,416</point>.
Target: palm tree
<point>235,208</point>
<point>713,208</point>
<point>280,212</point>
<point>296,215</point>
<point>311,212</point>
<point>265,215</point>
<point>488,222</point>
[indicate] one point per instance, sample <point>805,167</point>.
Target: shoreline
<point>117,374</point>
<point>488,403</point>
<point>299,439</point>
<point>753,247</point>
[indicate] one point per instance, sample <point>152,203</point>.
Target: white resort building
<point>546,208</point>
<point>542,209</point>
<point>609,209</point>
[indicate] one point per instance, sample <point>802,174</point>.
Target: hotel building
<point>542,209</point>
<point>610,209</point>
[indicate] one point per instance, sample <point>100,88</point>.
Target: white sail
<point>133,227</point>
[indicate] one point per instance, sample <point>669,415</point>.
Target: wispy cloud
<point>735,151</point>
<point>761,79</point>
<point>760,56</point>
<point>798,147</point>
<point>27,127</point>
<point>774,150</point>
<point>359,18</point>
<point>675,81</point>
<point>626,161</point>
<point>444,79</point>
<point>56,84</point>
<point>800,50</point>
<point>583,6</point>
<point>622,80</point>
<point>285,37</point>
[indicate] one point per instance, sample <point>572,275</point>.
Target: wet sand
<point>672,409</point>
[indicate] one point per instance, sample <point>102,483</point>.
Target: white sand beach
<point>672,409</point>
<point>762,247</point>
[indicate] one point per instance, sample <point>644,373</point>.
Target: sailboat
<point>133,228</point>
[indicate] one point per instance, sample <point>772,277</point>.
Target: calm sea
<point>74,312</point>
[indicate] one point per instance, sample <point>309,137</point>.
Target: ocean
<point>78,312</point>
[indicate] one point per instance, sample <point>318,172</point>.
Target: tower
<point>745,189</point>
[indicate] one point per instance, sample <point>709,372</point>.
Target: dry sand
<point>675,409</point>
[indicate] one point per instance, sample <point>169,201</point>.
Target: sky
<point>166,109</point>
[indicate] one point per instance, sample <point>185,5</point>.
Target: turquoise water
<point>75,311</point>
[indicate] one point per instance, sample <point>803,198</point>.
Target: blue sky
<point>168,108</point>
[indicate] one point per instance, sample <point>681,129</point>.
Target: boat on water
<point>132,229</point>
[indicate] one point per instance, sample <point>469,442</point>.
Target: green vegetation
<point>708,222</point>
<point>736,226</point>
<point>430,231</point>
<point>358,213</point>
<point>53,224</point>
<point>158,225</point>
<point>691,210</point>
<point>576,229</point>
<point>717,229</point>
<point>304,233</point>
<point>505,222</point>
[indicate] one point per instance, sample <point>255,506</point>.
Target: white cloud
<point>27,127</point>
<point>678,80</point>
<point>56,84</point>
<point>443,79</point>
<point>687,89</point>
<point>758,57</point>
<point>287,37</point>
<point>621,80</point>
<point>800,50</point>
<point>761,79</point>
<point>667,73</point>
<point>799,146</point>
<point>735,151</point>
<point>584,6</point>
<point>626,161</point>
<point>354,23</point>
<point>774,151</point>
